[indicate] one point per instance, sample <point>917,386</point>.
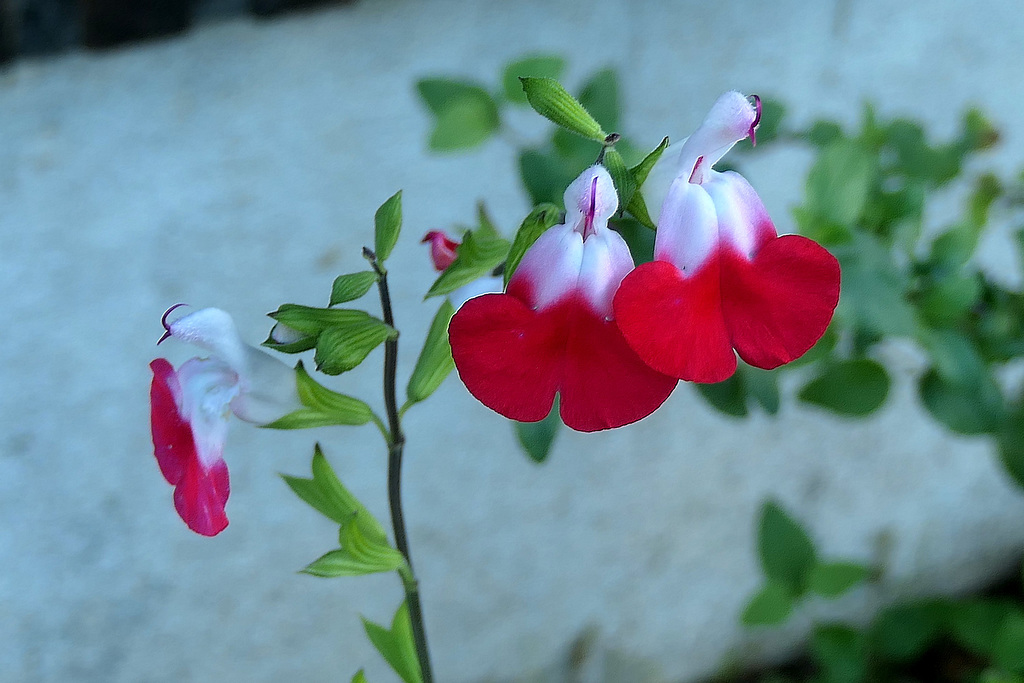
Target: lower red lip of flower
<point>771,309</point>
<point>200,492</point>
<point>514,359</point>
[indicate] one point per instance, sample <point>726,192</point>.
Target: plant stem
<point>396,445</point>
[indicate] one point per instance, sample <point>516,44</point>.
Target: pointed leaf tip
<point>387,224</point>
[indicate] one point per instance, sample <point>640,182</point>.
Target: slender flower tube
<point>189,410</point>
<point>722,278</point>
<point>442,253</point>
<point>553,329</point>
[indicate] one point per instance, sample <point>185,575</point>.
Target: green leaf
<point>600,96</point>
<point>916,158</point>
<point>435,360</point>
<point>540,66</point>
<point>852,387</point>
<point>832,579</point>
<point>396,644</point>
<point>874,289</point>
<point>903,632</point>
<point>967,407</point>
<point>975,624</point>
<point>840,181</point>
<point>286,340</point>
<point>772,113</point>
<point>638,237</point>
<point>762,386</point>
<point>841,652</point>
<point>623,180</point>
<point>533,226</point>
<point>312,321</point>
<point>536,438</point>
<point>770,606</point>
<point>549,99</point>
<point>359,555</point>
<point>786,551</point>
<point>643,169</point>
<point>327,495</point>
<point>977,132</point>
<point>360,677</point>
<point>823,133</point>
<point>1008,648</point>
<point>323,407</point>
<point>1011,445</point>
<point>341,348</point>
<point>351,287</point>
<point>387,222</point>
<point>728,396</point>
<point>482,250</point>
<point>545,175</point>
<point>465,113</point>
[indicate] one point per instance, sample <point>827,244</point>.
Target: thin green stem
<point>396,445</point>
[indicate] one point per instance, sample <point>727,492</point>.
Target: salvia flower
<point>553,329</point>
<point>722,278</point>
<point>189,410</point>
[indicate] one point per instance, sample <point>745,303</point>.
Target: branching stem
<point>396,445</point>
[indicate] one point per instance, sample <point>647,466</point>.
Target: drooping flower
<point>553,329</point>
<point>442,253</point>
<point>722,278</point>
<point>189,410</point>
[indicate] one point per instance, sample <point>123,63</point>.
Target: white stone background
<point>240,166</point>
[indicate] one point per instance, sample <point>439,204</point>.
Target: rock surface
<point>239,166</point>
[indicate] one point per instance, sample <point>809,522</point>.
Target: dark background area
<point>43,27</point>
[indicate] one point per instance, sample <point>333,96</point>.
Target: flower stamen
<point>167,326</point>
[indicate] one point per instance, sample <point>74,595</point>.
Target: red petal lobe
<point>674,323</point>
<point>778,305</point>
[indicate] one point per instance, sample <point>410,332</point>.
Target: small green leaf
<point>549,99</point>
<point>435,360</point>
<point>387,222</point>
<point>762,386</point>
<point>359,555</point>
<point>536,438</point>
<point>625,185</point>
<point>874,289</point>
<point>770,606</point>
<point>352,286</point>
<point>327,495</point>
<point>728,396</point>
<point>540,66</point>
<point>1011,446</point>
<point>323,407</point>
<point>638,237</point>
<point>533,226</point>
<point>840,181</point>
<point>338,563</point>
<point>851,387</point>
<point>841,652</point>
<point>360,677</point>
<point>832,579</point>
<point>968,407</point>
<point>903,632</point>
<point>823,133</point>
<point>1008,648</point>
<point>396,645</point>
<point>465,113</point>
<point>643,169</point>
<point>975,624</point>
<point>286,340</point>
<point>786,551</point>
<point>341,348</point>
<point>481,251</point>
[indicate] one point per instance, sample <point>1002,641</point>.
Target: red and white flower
<point>189,410</point>
<point>722,278</point>
<point>553,330</point>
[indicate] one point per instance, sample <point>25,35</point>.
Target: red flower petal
<point>514,359</point>
<point>772,309</point>
<point>777,306</point>
<point>200,494</point>
<point>675,324</point>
